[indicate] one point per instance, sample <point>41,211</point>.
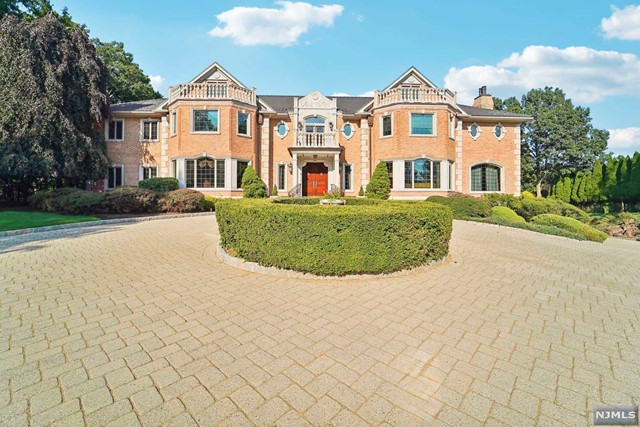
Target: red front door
<point>315,179</point>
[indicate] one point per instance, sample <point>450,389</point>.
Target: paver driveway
<point>141,324</point>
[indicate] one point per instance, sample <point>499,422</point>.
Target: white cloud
<point>340,94</point>
<point>620,139</point>
<point>251,26</point>
<point>623,24</point>
<point>585,74</point>
<point>157,82</point>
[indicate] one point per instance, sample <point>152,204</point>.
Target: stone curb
<point>254,267</point>
<point>98,223</point>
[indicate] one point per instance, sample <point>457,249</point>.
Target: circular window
<point>348,130</point>
<point>498,131</point>
<point>474,131</point>
<point>282,129</point>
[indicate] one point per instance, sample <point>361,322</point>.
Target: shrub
<point>67,200</point>
<point>464,207</point>
<point>335,240</point>
<point>130,200</point>
<point>527,195</point>
<point>538,206</point>
<point>572,225</point>
<point>183,200</point>
<point>505,213</point>
<point>252,185</point>
<point>379,187</point>
<point>274,190</point>
<point>361,192</point>
<point>159,184</point>
<point>298,200</point>
<point>538,228</point>
<point>500,199</point>
<point>209,203</point>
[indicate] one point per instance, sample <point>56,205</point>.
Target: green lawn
<point>16,220</point>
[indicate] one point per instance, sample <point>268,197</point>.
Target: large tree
<point>560,140</point>
<point>126,81</point>
<point>53,104</point>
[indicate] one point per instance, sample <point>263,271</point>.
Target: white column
<point>365,154</point>
<point>517,171</point>
<point>336,168</point>
<point>265,155</point>
<point>164,147</point>
<point>295,170</point>
<point>458,186</point>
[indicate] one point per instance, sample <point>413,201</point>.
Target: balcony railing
<point>409,95</point>
<point>305,139</point>
<point>215,91</point>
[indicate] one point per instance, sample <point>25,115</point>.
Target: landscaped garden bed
<point>335,240</point>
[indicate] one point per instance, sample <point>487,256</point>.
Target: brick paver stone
<point>141,324</point>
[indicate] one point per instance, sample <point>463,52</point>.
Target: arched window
<point>205,172</point>
<point>314,125</point>
<point>485,177</point>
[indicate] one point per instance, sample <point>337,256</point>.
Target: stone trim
<point>254,267</point>
<point>517,179</point>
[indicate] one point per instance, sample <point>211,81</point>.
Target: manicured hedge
<point>533,207</point>
<point>503,212</point>
<point>335,240</point>
<point>66,200</point>
<point>538,228</point>
<point>159,184</point>
<point>572,225</point>
<point>351,201</point>
<point>464,207</point>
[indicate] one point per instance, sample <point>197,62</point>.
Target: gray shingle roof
<point>347,104</point>
<point>484,112</point>
<point>138,106</point>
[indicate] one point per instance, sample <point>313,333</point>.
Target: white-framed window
<point>148,130</point>
<point>115,130</point>
<point>452,126</point>
<point>115,177</point>
<point>244,124</point>
<point>241,166</point>
<point>281,176</point>
<point>147,172</point>
<point>282,129</point>
<point>348,129</point>
<point>206,121</point>
<point>347,177</point>
<point>422,174</point>
<point>174,168</point>
<point>452,175</point>
<point>205,172</point>
<point>386,126</point>
<point>174,122</point>
<point>422,124</point>
<point>499,131</point>
<point>390,170</point>
<point>474,131</point>
<point>486,177</point>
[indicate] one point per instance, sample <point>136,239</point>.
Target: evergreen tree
<point>610,179</point>
<point>593,192</point>
<point>634,178</point>
<point>575,185</point>
<point>379,187</point>
<point>252,185</point>
<point>621,190</point>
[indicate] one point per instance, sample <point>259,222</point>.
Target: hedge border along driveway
<point>335,240</point>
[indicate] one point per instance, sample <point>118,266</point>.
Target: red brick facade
<point>283,134</point>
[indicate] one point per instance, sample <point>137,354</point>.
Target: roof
<point>144,106</point>
<point>485,112</point>
<point>283,104</point>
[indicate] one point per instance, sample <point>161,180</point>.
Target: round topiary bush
<point>505,213</point>
<point>335,240</point>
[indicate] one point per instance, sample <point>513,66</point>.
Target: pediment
<point>316,100</point>
<point>215,72</point>
<point>411,77</point>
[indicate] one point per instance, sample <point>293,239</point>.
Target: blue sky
<point>590,49</point>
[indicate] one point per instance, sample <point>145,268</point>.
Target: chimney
<point>483,100</point>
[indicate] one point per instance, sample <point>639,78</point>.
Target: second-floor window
<point>421,124</point>
<point>149,130</point>
<point>115,132</point>
<point>205,120</point>
<point>243,123</point>
<point>386,126</point>
<point>174,123</point>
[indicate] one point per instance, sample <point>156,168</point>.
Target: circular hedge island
<point>363,237</point>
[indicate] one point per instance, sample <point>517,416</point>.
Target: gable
<point>215,72</point>
<point>411,77</point>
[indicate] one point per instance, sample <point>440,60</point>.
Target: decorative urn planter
<point>332,202</point>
